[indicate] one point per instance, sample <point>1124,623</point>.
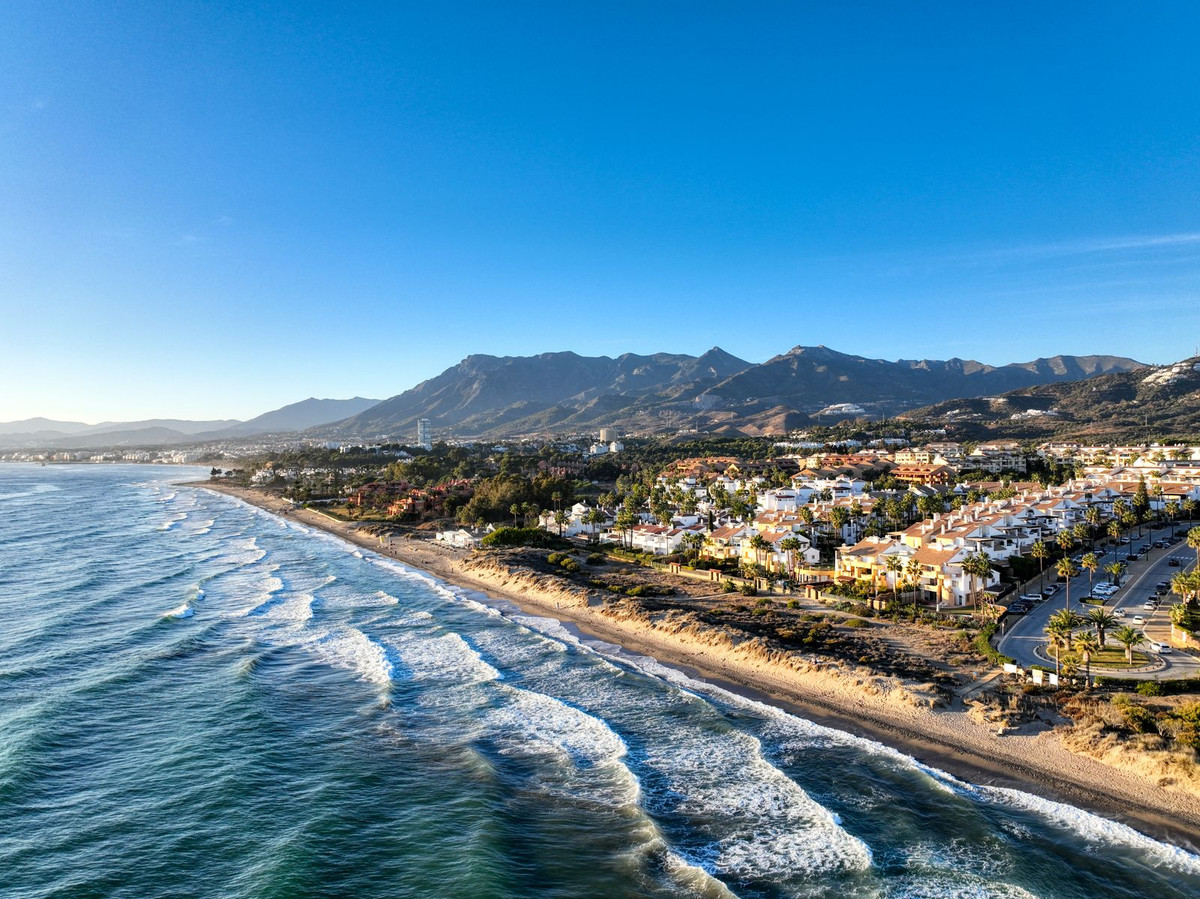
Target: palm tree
<point>1114,570</point>
<point>1187,585</point>
<point>894,567</point>
<point>1089,563</point>
<point>1079,531</point>
<point>1088,644</point>
<point>1102,621</point>
<point>1041,552</point>
<point>977,565</point>
<point>760,545</point>
<point>1188,508</point>
<point>913,570</point>
<point>791,546</point>
<point>1114,531</point>
<point>560,519</point>
<point>1070,667</point>
<point>1060,639</point>
<point>1193,540</point>
<point>1092,517</point>
<point>1066,570</point>
<point>1066,542</point>
<point>1129,638</point>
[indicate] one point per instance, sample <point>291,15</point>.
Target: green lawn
<point>1109,657</point>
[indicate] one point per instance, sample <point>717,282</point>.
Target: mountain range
<point>565,393</point>
<point>1158,403</point>
<point>45,432</point>
<point>491,396</point>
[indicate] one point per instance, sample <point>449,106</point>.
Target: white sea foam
<point>951,886</point>
<point>345,597</point>
<point>184,611</point>
<point>794,733</point>
<point>446,659</point>
<point>1093,828</point>
<point>762,821</point>
<point>32,491</point>
<point>350,649</point>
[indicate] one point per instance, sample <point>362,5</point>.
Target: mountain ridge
<point>716,392</point>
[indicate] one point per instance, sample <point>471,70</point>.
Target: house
<point>459,538</point>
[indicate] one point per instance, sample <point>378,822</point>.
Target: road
<point>1025,632</point>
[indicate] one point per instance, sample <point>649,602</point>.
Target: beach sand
<point>953,741</point>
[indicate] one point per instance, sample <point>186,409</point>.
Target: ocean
<point>200,699</point>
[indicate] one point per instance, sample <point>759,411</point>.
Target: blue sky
<point>213,209</point>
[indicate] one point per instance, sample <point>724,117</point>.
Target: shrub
<point>639,590</point>
<point>569,564</point>
<point>596,559</point>
<point>793,603</point>
<point>984,646</point>
<point>1149,688</point>
<point>748,590</point>
<point>856,622</point>
<point>727,586</point>
<point>536,537</point>
<point>555,558</point>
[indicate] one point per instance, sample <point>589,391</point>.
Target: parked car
<point>1029,597</point>
<point>1051,590</point>
<point>1131,558</point>
<point>1149,605</point>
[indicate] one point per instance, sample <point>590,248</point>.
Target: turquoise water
<point>199,699</point>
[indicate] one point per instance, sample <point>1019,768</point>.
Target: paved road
<point>1025,632</point>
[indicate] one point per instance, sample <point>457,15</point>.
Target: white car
<point>1105,588</point>
<point>1118,613</point>
<point>1160,648</point>
<point>1149,605</point>
<point>1030,597</point>
<point>1138,619</point>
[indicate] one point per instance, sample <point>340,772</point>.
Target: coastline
<point>1035,763</point>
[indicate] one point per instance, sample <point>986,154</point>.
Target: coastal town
<point>985,533</point>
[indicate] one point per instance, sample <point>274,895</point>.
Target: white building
<point>424,434</point>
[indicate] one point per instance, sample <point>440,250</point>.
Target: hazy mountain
<point>715,392</point>
<point>176,425</point>
<point>1156,402</point>
<point>49,434</point>
<point>41,426</point>
<point>300,416</point>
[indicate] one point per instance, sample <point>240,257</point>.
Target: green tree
<point>791,546</point>
<point>1067,569</point>
<point>894,567</point>
<point>1041,552</point>
<point>761,545</point>
<point>1193,541</point>
<point>1088,645</point>
<point>1060,641</point>
<point>1090,563</point>
<point>979,567</point>
<point>1129,638</point>
<point>1102,620</point>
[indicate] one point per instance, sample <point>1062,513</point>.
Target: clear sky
<point>213,209</point>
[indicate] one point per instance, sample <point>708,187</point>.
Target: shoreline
<point>951,741</point>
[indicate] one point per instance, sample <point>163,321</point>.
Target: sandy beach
<point>874,707</point>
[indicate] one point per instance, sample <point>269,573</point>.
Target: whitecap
<point>184,611</point>
<point>350,649</point>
